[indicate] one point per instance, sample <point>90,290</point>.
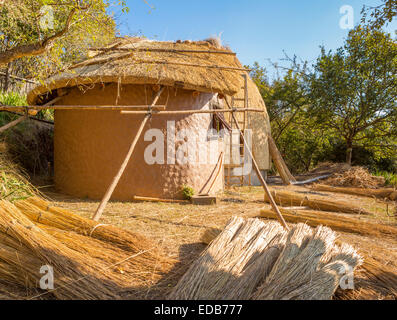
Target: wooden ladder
<point>243,125</point>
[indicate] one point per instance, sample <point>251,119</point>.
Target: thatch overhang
<point>201,66</point>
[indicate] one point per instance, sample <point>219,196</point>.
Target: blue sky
<point>258,30</point>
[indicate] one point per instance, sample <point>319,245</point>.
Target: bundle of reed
<point>332,220</point>
<point>209,235</point>
<point>40,211</point>
<point>214,274</point>
<point>310,267</point>
<point>126,273</point>
<point>84,267</point>
<point>372,281</point>
<point>257,269</point>
<point>25,248</point>
<point>247,258</point>
<point>382,193</point>
<point>288,198</point>
<point>11,291</point>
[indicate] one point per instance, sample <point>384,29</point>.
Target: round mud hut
<point>92,136</point>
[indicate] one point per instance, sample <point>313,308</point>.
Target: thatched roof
<point>141,61</point>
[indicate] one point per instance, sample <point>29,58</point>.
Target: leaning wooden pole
<point>278,160</point>
<point>13,123</point>
<point>127,158</point>
<point>258,173</point>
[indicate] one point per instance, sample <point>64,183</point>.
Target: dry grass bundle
<point>355,177</point>
<point>84,267</point>
<point>289,198</point>
<point>334,221</point>
<point>25,248</point>
<point>309,268</point>
<point>129,274</point>
<point>214,274</point>
<point>381,193</point>
<point>201,267</point>
<point>372,281</point>
<point>209,235</point>
<point>40,211</point>
<point>257,269</point>
<point>250,254</point>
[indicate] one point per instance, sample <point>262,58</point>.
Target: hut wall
<point>91,145</point>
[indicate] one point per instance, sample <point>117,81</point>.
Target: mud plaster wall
<point>91,145</point>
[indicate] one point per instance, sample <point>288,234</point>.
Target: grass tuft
<point>390,178</point>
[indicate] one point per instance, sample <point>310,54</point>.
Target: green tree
<point>377,17</point>
<point>298,137</point>
<point>58,27</point>
<point>354,90</point>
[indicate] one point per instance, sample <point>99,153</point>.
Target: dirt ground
<point>178,228</point>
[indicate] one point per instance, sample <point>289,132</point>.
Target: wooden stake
<point>13,123</point>
<point>151,199</point>
<point>279,162</point>
<point>258,173</point>
<point>116,179</point>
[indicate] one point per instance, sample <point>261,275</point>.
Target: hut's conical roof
<point>141,61</point>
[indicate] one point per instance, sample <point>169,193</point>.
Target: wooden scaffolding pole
<point>278,160</point>
<point>84,107</point>
<point>196,111</point>
<point>258,173</point>
<point>116,179</point>
<point>13,123</point>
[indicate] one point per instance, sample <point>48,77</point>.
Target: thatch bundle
<point>335,221</point>
<point>42,212</point>
<point>84,267</point>
<point>252,259</point>
<point>289,198</point>
<point>309,268</point>
<point>381,193</point>
<point>372,281</point>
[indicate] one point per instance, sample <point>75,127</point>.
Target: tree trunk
<point>349,152</point>
<point>7,77</point>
